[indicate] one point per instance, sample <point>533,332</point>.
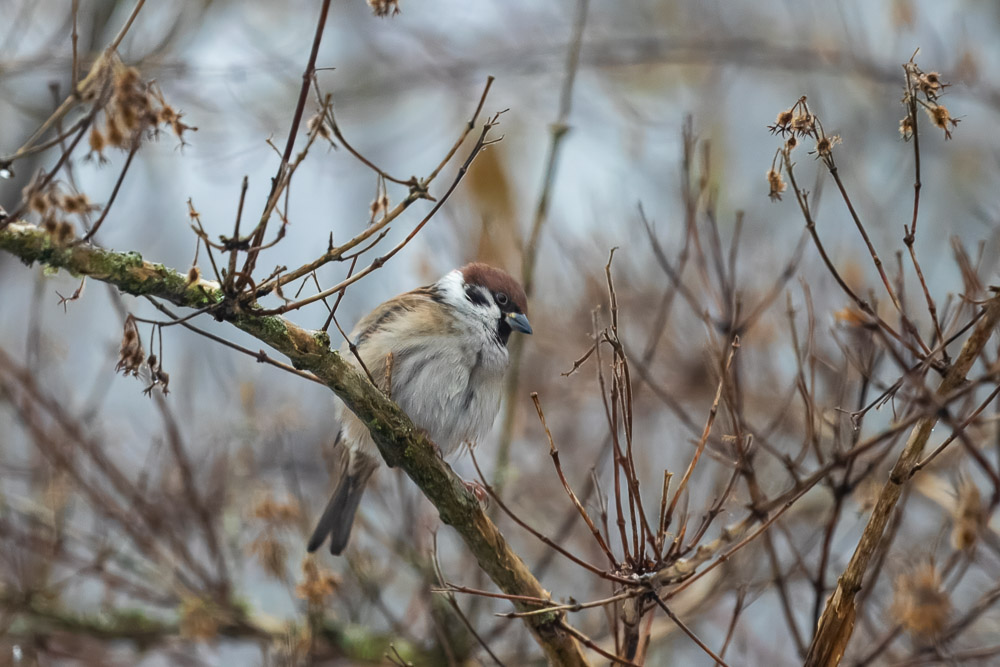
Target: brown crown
<point>496,280</point>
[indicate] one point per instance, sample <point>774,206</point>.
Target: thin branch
<point>400,443</point>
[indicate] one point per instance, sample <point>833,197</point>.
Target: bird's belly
<point>454,395</point>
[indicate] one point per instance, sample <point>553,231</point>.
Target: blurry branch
<point>449,597</point>
<point>675,50</point>
<point>400,443</point>
<point>922,90</point>
<point>280,180</point>
<point>82,90</point>
<point>418,191</point>
<point>837,623</point>
<point>38,614</point>
<point>557,131</point>
<point>63,442</point>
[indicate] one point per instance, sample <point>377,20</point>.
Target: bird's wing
<point>389,312</point>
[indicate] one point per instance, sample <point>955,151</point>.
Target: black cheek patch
<point>476,296</point>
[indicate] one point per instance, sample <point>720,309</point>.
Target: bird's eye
<point>502,298</point>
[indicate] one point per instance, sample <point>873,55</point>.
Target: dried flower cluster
<point>384,7</point>
<point>380,206</point>
<point>799,121</point>
<point>53,205</point>
<point>267,547</point>
<point>317,125</point>
<point>270,510</point>
<point>793,124</point>
<point>969,519</point>
<point>271,554</point>
<point>776,183</point>
<point>135,107</point>
<point>158,377</point>
<point>923,89</point>
<point>130,352</point>
<point>920,605</point>
<point>318,584</point>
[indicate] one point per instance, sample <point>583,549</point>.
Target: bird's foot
<point>479,491</point>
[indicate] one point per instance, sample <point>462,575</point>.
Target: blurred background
<point>258,440</point>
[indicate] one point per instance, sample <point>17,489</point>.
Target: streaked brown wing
<point>387,312</point>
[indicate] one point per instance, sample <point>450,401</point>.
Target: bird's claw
<point>479,491</point>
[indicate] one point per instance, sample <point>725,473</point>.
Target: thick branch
<point>400,442</point>
<point>837,623</point>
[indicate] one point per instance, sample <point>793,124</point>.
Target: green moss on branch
<point>401,444</point>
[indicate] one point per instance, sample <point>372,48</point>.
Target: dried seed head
<point>158,376</point>
<point>126,78</point>
<point>941,117</point>
<point>791,143</point>
<point>163,380</point>
<point>384,7</point>
<point>193,276</point>
<point>919,604</point>
<point>317,124</point>
<point>113,131</point>
<point>804,123</point>
<point>97,141</point>
<point>379,206</point>
<point>132,101</point>
<point>825,144</point>
<point>130,352</point>
<point>784,118</point>
<point>271,554</point>
<point>166,115</point>
<point>930,84</point>
<point>39,202</point>
<point>776,183</point>
<point>268,509</point>
<point>969,517</point>
<point>317,584</point>
<point>906,127</point>
<point>76,203</point>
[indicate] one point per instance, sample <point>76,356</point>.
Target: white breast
<point>449,385</point>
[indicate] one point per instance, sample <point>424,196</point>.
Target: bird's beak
<point>519,322</point>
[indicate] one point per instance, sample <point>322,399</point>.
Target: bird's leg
<point>479,491</point>
<point>475,488</point>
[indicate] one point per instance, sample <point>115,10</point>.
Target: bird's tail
<point>338,517</point>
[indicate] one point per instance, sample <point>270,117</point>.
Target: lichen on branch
<point>400,442</point>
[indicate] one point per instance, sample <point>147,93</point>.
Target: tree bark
<point>837,622</point>
<point>401,444</point>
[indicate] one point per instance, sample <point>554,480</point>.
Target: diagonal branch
<point>837,622</point>
<point>400,443</point>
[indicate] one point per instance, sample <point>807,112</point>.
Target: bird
<point>440,352</point>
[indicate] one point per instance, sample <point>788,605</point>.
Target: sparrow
<point>440,353</point>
